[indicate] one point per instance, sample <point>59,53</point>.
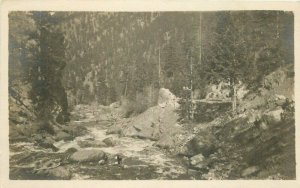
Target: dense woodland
<point>58,60</point>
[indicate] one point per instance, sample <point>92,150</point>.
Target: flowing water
<point>141,160</point>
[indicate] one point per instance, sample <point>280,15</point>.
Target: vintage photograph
<point>161,95</point>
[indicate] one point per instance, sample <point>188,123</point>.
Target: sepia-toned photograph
<point>157,95</point>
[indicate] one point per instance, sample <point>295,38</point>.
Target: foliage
<point>248,52</point>
<point>37,58</point>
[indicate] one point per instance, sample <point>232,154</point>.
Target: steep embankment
<point>258,143</point>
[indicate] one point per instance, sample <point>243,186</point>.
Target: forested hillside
<point>147,51</point>
<point>196,84</point>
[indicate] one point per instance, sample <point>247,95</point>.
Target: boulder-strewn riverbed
<point>94,156</point>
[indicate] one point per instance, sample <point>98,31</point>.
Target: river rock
<point>280,100</point>
<point>197,159</point>
<point>274,115</point>
<point>46,144</point>
<point>109,141</point>
<point>86,155</point>
<point>249,171</point>
<point>71,150</point>
<point>91,143</point>
<point>202,143</point>
<point>44,141</point>
<point>59,173</point>
<point>184,151</point>
<point>63,136</point>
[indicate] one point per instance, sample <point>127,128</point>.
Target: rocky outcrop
<point>156,120</point>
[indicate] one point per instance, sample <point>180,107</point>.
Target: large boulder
<point>152,123</point>
<point>60,172</point>
<point>86,155</point>
<point>165,97</point>
<point>156,120</point>
<point>51,169</point>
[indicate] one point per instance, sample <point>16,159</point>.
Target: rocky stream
<point>95,155</point>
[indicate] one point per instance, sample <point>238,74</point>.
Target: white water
<point>140,149</point>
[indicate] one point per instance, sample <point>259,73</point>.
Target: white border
<point>133,6</point>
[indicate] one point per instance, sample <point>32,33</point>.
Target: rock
<point>254,116</point>
<point>274,115</point>
<point>249,171</point>
<point>59,173</point>
<point>165,97</point>
<point>89,143</point>
<point>63,136</point>
<point>71,150</point>
<point>165,142</point>
<point>199,162</point>
<point>263,125</point>
<point>109,141</point>
<point>202,143</point>
<point>86,155</point>
<point>46,144</point>
<point>218,92</point>
<point>44,141</point>
<point>114,130</point>
<point>52,169</point>
<point>155,121</point>
<point>280,100</point>
<point>184,151</point>
<point>197,159</point>
<point>195,174</point>
<point>152,123</point>
<point>102,162</point>
<point>115,105</point>
<point>49,140</point>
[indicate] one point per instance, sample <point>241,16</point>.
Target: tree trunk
<point>200,37</point>
<point>126,83</point>
<point>191,91</point>
<point>159,68</point>
<point>233,97</point>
